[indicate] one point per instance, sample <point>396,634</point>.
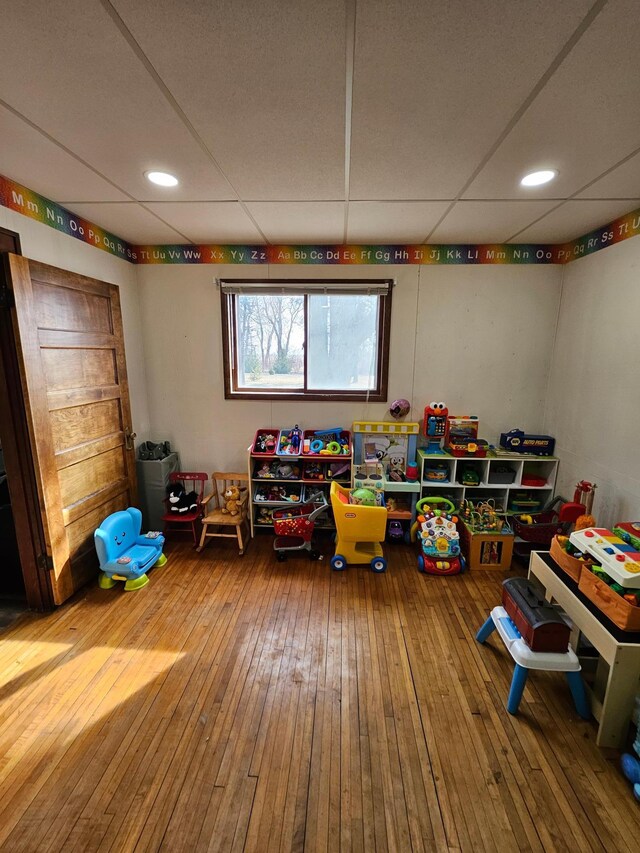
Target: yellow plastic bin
<point>360,530</point>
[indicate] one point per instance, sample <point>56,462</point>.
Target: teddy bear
<point>231,497</point>
<point>181,501</point>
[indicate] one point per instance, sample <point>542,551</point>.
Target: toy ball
<point>365,497</point>
<point>399,408</point>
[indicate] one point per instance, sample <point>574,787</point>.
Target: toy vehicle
<point>395,531</point>
<point>437,472</point>
<point>294,527</point>
<point>470,477</point>
<point>518,441</point>
<point>439,538</point>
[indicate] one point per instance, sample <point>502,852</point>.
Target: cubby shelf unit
<point>488,472</point>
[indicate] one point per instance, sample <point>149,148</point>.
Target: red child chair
<point>173,520</point>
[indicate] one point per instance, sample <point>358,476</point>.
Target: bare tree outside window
<point>328,342</point>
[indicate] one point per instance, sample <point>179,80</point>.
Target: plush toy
<point>179,500</point>
<point>285,471</point>
<point>231,497</point>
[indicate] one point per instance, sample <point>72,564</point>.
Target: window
<point>317,340</point>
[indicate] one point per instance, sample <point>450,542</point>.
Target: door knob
<point>129,438</point>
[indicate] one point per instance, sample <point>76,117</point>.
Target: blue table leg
<point>579,696</point>
<point>486,629</point>
<point>517,686</point>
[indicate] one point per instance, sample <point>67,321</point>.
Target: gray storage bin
<point>501,477</point>
<point>153,476</point>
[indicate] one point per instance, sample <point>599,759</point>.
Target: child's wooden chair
<point>177,521</point>
<point>215,521</point>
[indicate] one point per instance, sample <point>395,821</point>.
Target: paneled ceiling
<point>356,121</point>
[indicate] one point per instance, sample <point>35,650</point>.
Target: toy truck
<point>518,441</point>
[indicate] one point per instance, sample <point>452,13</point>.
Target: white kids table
<point>618,673</point>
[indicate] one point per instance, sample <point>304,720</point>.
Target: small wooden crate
<point>489,551</point>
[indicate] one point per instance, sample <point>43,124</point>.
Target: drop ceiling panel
<point>300,222</point>
<point>129,221</point>
<point>209,222</point>
<point>263,83</point>
<point>28,157</point>
<point>393,222</point>
<point>69,70</point>
<point>622,182</point>
<point>436,83</point>
<point>487,221</point>
<point>584,121</point>
<point>574,219</point>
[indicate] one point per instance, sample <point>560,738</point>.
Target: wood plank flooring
<point>245,704</point>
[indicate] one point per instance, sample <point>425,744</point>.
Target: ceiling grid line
<point>428,134</point>
<point>350,48</point>
<point>573,196</point>
<point>88,165</point>
<point>164,89</point>
<point>577,34</point>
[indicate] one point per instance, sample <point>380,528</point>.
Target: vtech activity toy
<point>439,537</point>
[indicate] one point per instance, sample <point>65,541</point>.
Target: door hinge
<point>45,562</point>
<point>6,298</point>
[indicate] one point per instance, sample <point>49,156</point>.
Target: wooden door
<point>68,331</point>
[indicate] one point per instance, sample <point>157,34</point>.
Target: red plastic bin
<point>266,431</point>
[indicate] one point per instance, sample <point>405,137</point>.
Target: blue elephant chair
<point>123,553</point>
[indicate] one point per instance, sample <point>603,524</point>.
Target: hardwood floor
<point>246,704</point>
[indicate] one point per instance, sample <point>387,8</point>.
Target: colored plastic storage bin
<point>566,562</point>
<point>277,494</point>
<point>623,614</point>
<point>327,443</point>
<point>283,443</point>
<point>271,444</point>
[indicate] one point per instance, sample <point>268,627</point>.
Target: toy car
<point>437,471</point>
<point>395,531</point>
<point>470,477</point>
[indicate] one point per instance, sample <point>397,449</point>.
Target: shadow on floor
<point>10,610</point>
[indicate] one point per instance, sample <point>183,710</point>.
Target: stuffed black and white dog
<point>179,500</point>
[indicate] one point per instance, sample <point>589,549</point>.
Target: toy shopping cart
<point>539,528</point>
<point>360,530</point>
<point>294,527</point>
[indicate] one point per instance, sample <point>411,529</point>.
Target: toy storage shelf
<point>257,460</point>
<point>529,476</point>
<point>389,439</point>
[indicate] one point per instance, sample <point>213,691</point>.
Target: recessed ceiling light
<point>163,179</point>
<point>534,179</point>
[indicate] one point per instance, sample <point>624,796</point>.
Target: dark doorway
<point>23,581</point>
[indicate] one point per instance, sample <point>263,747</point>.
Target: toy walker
<point>360,530</point>
<point>294,527</point>
<point>439,537</point>
<point>124,554</point>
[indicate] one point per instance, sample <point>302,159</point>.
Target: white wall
<point>593,400</point>
<point>479,338</point>
<point>49,246</point>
